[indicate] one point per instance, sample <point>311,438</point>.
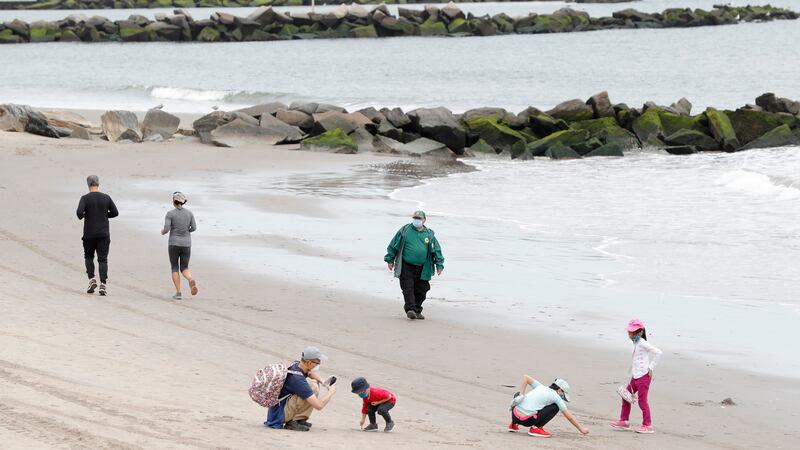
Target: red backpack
<point>267,384</point>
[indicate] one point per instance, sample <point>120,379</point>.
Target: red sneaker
<point>513,428</point>
<point>538,432</point>
<point>620,425</point>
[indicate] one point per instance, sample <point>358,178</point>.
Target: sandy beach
<point>138,370</point>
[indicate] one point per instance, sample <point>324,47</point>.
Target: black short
<point>179,257</point>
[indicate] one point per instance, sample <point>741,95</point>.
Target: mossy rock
<point>289,30</point>
<point>779,137</point>
<point>648,129</point>
<point>163,3</point>
<point>49,4</point>
<point>561,151</point>
<point>459,26</point>
<point>430,28</point>
<point>749,125</point>
<point>552,24</point>
<point>563,137</point>
<point>723,131</point>
<point>495,133</point>
<point>483,147</point>
<point>69,36</point>
<point>692,137</point>
<point>209,34</point>
<point>44,32</point>
<point>607,130</point>
<point>542,124</point>
<point>367,31</point>
<point>335,140</point>
<point>587,146</point>
<point>208,3</point>
<point>141,4</point>
<point>8,37</point>
<point>610,149</point>
<point>184,3</point>
<point>672,123</point>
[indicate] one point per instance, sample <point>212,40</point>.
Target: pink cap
<point>635,324</point>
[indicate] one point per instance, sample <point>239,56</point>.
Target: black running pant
<point>179,257</point>
<point>382,409</point>
<point>100,246</point>
<point>414,287</point>
<point>539,419</point>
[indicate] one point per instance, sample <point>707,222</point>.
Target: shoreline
<point>241,322</point>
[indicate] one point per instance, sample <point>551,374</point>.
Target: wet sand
<point>137,370</point>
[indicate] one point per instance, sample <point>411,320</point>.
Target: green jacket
<point>394,253</point>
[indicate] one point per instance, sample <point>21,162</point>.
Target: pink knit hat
<point>635,324</point>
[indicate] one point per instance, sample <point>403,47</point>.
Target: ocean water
<point>725,66</point>
<point>702,248</point>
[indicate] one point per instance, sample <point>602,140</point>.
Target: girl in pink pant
<point>645,358</point>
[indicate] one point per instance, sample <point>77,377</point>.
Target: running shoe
<point>92,286</point>
<point>371,427</point>
<point>389,427</point>
<point>620,425</point>
<point>513,428</point>
<point>420,316</point>
<point>538,432</point>
<point>177,296</point>
<point>102,290</point>
<point>645,429</point>
<point>411,315</point>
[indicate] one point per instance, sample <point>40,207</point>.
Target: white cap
<point>179,197</point>
<point>562,383</point>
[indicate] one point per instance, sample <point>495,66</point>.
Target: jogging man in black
<point>95,208</point>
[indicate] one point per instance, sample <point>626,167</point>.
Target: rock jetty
<point>572,129</point>
<point>355,21</point>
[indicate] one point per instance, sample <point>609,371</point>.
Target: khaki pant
<point>298,409</point>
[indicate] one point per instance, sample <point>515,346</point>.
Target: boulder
<point>494,113</point>
<point>561,151</point>
<point>130,31</point>
<point>265,15</point>
<point>422,147</point>
<point>723,131</point>
<point>241,131</point>
<point>67,119</point>
<point>366,142</point>
<point>608,131</point>
<point>572,110</point>
<point>7,36</point>
<point>372,114</point>
<point>43,31</point>
<point>23,118</point>
<point>681,150</point>
<point>208,123</point>
<point>648,129</point>
<point>209,34</point>
<point>385,128</point>
<point>121,125</point>
<point>306,107</point>
<point>366,31</point>
<point>541,123</point>
<point>694,138</point>
<point>769,102</point>
<point>295,118</point>
<point>451,12</point>
<point>495,133</point>
<point>751,124</point>
<point>265,108</point>
<point>161,123</point>
<point>779,137</point>
<point>601,105</point>
<point>431,28</point>
<point>286,133</point>
<point>672,122</point>
<point>162,31</point>
<point>563,137</point>
<point>335,140</point>
<point>325,107</point>
<point>440,125</point>
<point>610,149</point>
<point>397,117</point>
<point>482,147</point>
<point>331,120</point>
<point>682,107</point>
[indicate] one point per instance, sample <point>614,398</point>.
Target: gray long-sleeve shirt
<point>180,223</point>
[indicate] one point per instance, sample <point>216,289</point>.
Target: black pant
<point>414,287</point>
<point>179,257</point>
<point>539,419</point>
<point>99,245</point>
<point>382,409</point>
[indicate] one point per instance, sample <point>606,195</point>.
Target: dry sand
<point>137,370</point>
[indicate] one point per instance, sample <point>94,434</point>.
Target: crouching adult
<point>538,407</point>
<point>299,395</point>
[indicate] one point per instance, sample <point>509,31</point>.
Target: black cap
<point>359,384</point>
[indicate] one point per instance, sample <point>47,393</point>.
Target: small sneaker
<point>294,425</point>
<point>420,316</point>
<point>411,315</point>
<point>177,296</point>
<point>92,286</point>
<point>645,429</point>
<point>538,432</point>
<point>193,286</point>
<point>102,290</point>
<point>389,427</point>
<point>513,428</point>
<point>371,427</point>
<point>620,425</point>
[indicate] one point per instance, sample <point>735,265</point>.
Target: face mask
<point>315,369</point>
<point>635,339</point>
<point>363,394</point>
<point>416,223</point>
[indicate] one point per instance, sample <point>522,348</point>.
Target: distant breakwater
<point>572,129</point>
<point>356,21</point>
<point>142,4</point>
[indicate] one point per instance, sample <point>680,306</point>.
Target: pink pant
<point>642,386</point>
